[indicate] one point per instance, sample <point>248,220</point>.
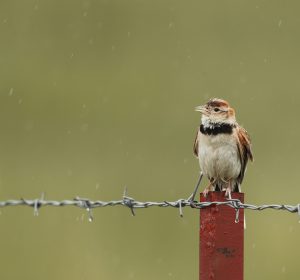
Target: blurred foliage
<point>96,95</point>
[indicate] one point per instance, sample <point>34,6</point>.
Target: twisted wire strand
<point>133,204</point>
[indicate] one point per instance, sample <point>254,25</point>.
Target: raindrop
<point>28,126</point>
<point>243,80</point>
<point>11,92</point>
<point>84,127</point>
<point>69,172</point>
<point>159,260</point>
<point>90,218</point>
<point>131,275</point>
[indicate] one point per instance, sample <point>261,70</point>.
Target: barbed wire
<point>133,204</point>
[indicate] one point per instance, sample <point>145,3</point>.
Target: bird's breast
<point>218,156</point>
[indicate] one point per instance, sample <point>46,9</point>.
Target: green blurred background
<point>96,95</point>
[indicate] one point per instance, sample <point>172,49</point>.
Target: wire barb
<point>236,204</point>
<point>180,208</point>
<point>85,203</point>
<point>128,201</point>
<point>37,205</point>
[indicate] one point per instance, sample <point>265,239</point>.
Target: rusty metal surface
<point>221,239</point>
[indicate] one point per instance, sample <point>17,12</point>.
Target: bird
<point>222,146</point>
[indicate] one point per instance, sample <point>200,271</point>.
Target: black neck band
<point>216,129</point>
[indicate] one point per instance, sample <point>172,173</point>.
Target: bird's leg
<point>237,187</point>
<point>192,197</point>
<point>228,190</point>
<point>209,188</point>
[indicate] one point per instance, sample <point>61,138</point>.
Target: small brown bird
<point>222,146</point>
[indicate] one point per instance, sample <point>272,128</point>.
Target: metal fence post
<point>221,239</point>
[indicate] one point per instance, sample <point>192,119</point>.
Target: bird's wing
<point>196,143</point>
<point>244,148</point>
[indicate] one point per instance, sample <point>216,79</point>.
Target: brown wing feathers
<point>244,146</point>
<point>196,144</point>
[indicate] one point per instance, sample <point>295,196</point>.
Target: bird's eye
<point>216,109</point>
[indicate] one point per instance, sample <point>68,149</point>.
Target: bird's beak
<point>201,109</point>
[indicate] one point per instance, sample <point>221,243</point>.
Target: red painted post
<point>221,240</point>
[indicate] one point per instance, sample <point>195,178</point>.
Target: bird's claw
<point>205,192</point>
<point>228,192</point>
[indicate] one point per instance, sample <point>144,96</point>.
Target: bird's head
<point>216,111</point>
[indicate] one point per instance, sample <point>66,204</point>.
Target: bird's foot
<point>207,190</point>
<point>228,192</point>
